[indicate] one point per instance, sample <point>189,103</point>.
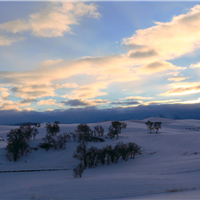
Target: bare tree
<point>98,130</point>
<point>78,171</point>
<point>52,129</point>
<point>81,153</point>
<point>17,143</point>
<point>157,126</point>
<point>149,125</point>
<point>115,128</point>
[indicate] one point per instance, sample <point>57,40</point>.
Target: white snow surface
<point>170,161</point>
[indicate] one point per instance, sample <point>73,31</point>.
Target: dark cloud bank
<point>92,114</point>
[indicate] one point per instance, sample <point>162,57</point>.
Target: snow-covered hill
<point>169,167</point>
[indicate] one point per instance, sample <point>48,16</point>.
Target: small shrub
<point>35,148</point>
<point>56,142</point>
<point>78,171</point>
<point>45,145</point>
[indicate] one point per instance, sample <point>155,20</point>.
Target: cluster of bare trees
<point>56,142</point>
<point>18,138</point>
<point>83,133</point>
<point>52,140</point>
<point>93,156</point>
<point>17,141</point>
<point>153,126</point>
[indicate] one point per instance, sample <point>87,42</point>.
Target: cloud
<point>197,65</point>
<point>137,98</point>
<point>47,102</point>
<point>3,89</point>
<point>80,103</point>
<point>5,95</point>
<point>66,85</point>
<point>6,41</point>
<point>157,102</point>
<point>33,91</point>
<point>53,21</point>
<point>127,103</point>
<point>190,101</point>
<point>148,50</point>
<point>11,105</point>
<point>171,39</point>
<point>178,78</point>
<point>28,101</point>
<point>50,63</point>
<point>88,91</point>
<point>142,54</point>
<point>185,88</point>
<point>75,103</point>
<point>94,115</point>
<point>158,66</point>
<point>106,70</point>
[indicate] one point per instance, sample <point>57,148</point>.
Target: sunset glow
<point>62,55</point>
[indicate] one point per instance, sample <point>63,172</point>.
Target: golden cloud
<point>158,66</point>
<point>33,91</point>
<point>10,105</point>
<point>171,39</point>
<point>178,78</point>
<point>197,65</point>
<point>162,101</point>
<point>88,91</point>
<point>47,102</point>
<point>184,88</point>
<point>137,98</point>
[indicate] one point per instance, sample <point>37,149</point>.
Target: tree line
<point>17,142</point>
<point>91,157</point>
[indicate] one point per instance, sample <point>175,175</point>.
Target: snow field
<point>170,160</point>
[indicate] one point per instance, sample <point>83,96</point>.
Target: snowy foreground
<point>169,167</point>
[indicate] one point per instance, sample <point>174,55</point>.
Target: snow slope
<point>170,161</point>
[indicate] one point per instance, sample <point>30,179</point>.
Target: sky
<point>58,56</point>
